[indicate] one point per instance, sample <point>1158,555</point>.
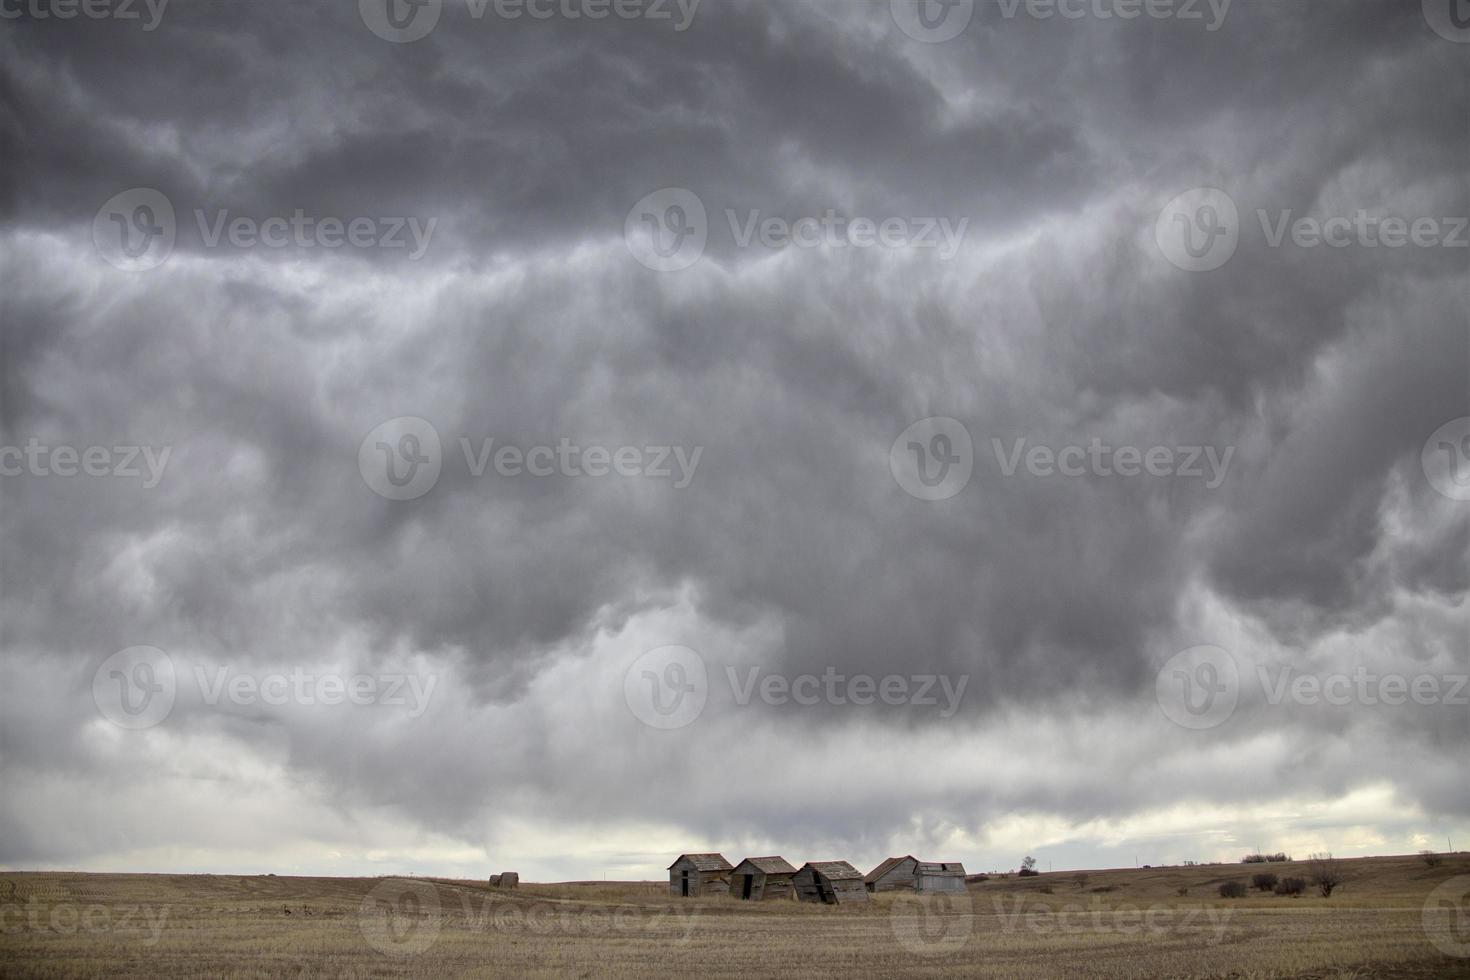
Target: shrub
<point>1027,873</point>
<point>1264,858</point>
<point>1081,881</point>
<point>1430,858</point>
<point>1232,889</point>
<point>1264,882</point>
<point>1182,890</point>
<point>1326,873</point>
<point>1290,886</point>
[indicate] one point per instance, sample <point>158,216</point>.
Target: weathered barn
<point>939,876</point>
<point>506,879</point>
<point>833,882</point>
<point>699,874</point>
<point>893,874</point>
<point>762,878</point>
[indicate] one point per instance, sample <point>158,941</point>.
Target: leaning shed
<point>833,882</point>
<point>761,878</point>
<point>699,874</point>
<point>892,874</point>
<point>939,876</point>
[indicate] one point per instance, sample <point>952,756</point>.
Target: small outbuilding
<point>939,876</point>
<point>699,874</point>
<point>760,878</point>
<point>832,882</point>
<point>894,874</point>
<point>506,879</point>
<point>908,873</point>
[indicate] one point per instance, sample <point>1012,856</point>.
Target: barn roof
<point>834,870</point>
<point>888,866</point>
<point>941,868</point>
<point>770,865</point>
<point>705,862</point>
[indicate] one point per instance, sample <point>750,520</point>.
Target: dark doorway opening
<point>684,884</point>
<point>747,885</point>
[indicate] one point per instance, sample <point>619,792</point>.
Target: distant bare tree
<point>1326,873</point>
<point>1430,858</point>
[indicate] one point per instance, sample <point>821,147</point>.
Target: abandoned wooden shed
<point>833,882</point>
<point>699,874</point>
<point>506,879</point>
<point>939,876</point>
<point>760,878</point>
<point>894,874</point>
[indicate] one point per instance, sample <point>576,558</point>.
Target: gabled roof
<point>705,862</point>
<point>770,865</point>
<point>888,866</point>
<point>940,868</point>
<point>834,870</point>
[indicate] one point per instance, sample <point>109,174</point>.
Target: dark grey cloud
<point>1059,322</point>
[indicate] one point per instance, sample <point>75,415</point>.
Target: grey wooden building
<point>833,882</point>
<point>699,874</point>
<point>761,878</point>
<point>894,874</point>
<point>939,876</point>
<point>908,873</point>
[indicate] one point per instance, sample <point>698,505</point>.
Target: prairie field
<point>1392,917</point>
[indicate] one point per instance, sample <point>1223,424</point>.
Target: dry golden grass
<point>1124,923</point>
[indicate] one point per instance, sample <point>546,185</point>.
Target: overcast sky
<point>961,432</point>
